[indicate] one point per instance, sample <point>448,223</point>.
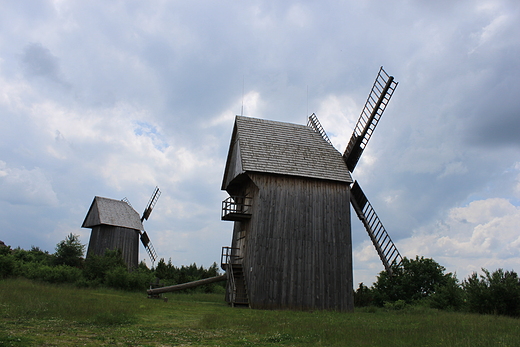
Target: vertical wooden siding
<point>105,237</point>
<point>298,252</point>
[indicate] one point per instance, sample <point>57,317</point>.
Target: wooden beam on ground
<point>186,285</point>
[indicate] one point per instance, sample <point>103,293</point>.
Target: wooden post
<point>186,285</point>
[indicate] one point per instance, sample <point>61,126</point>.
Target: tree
<point>449,296</point>
<point>412,280</point>
<point>493,293</point>
<point>7,262</point>
<point>363,296</point>
<point>69,251</point>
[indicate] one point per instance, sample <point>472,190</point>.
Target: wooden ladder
<point>239,295</point>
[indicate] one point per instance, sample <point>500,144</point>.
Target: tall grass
<point>33,313</point>
<point>410,327</point>
<point>25,299</point>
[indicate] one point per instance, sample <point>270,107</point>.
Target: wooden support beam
<point>186,285</point>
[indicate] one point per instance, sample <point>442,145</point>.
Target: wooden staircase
<point>239,295</point>
<point>237,288</point>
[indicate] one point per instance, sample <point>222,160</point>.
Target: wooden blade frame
<point>151,204</point>
<point>385,248</point>
<point>145,240</point>
<point>315,124</point>
<point>379,96</point>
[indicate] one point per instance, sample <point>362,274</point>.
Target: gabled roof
<point>260,145</point>
<point>112,212</point>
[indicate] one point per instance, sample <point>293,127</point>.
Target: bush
<point>35,255</point>
<point>395,306</point>
<point>449,296</point>
<point>69,251</point>
<point>117,278</point>
<point>60,274</point>
<point>7,265</point>
<point>140,279</point>
<point>51,274</point>
<point>363,296</point>
<point>493,293</point>
<point>412,280</point>
<point>96,267</point>
<point>68,266</point>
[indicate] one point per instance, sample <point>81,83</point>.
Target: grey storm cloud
<point>38,61</point>
<point>113,99</point>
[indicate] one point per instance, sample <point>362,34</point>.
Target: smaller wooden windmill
<point>116,225</point>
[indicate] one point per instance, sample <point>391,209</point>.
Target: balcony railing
<point>229,256</point>
<point>236,208</point>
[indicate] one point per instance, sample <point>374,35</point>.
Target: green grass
<point>36,314</point>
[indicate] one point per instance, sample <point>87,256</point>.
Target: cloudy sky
<point>112,98</point>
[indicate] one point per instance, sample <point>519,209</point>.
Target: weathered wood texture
<point>112,212</point>
<point>259,145</point>
<point>188,285</point>
<point>105,237</point>
<point>296,248</point>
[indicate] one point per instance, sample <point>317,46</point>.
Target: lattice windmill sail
<point>382,90</point>
<point>379,96</point>
<point>145,239</point>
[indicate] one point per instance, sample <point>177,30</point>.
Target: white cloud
<point>338,115</point>
<point>27,187</point>
<point>482,234</point>
<point>250,105</point>
<point>113,99</point>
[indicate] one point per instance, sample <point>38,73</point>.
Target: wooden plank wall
<point>105,237</point>
<point>298,252</point>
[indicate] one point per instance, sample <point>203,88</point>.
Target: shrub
<point>35,255</point>
<point>7,265</point>
<point>449,296</point>
<point>96,267</point>
<point>412,280</point>
<point>396,305</point>
<point>117,278</point>
<point>69,251</point>
<point>51,274</point>
<point>363,296</point>
<point>493,293</point>
<point>60,274</point>
<point>140,279</point>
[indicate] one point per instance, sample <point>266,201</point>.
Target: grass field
<point>36,314</point>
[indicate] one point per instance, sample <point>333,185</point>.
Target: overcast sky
<point>112,98</point>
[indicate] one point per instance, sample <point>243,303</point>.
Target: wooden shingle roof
<point>112,212</point>
<point>266,146</point>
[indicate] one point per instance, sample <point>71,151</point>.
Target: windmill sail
<point>151,204</point>
<point>380,95</point>
<point>145,240</point>
<point>383,243</point>
<point>315,124</point>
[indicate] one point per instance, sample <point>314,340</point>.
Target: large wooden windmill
<point>116,225</point>
<point>290,195</point>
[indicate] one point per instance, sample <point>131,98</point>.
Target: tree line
<point>422,281</point>
<point>68,265</point>
<point>419,281</point>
